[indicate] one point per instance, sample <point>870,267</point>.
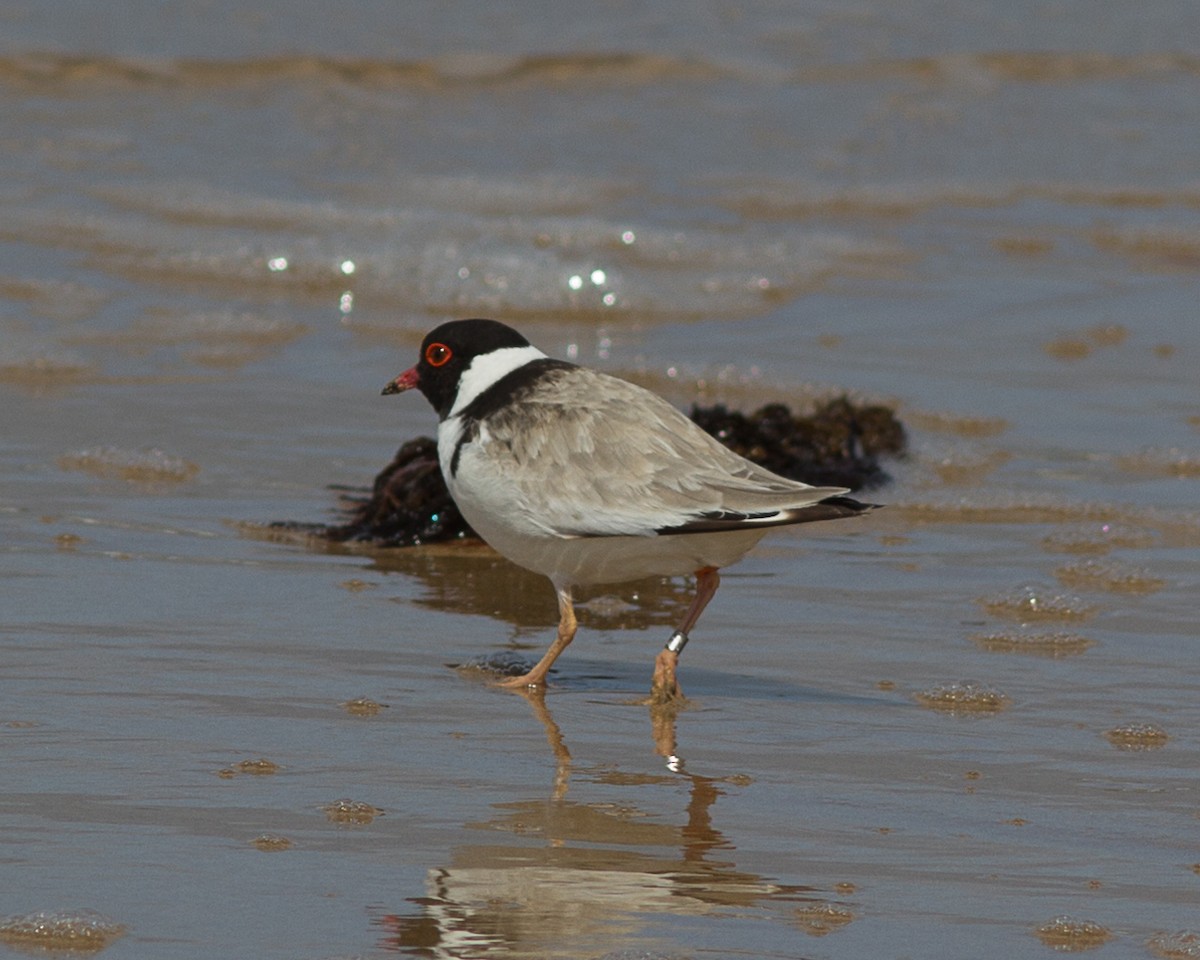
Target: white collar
<point>487,368</point>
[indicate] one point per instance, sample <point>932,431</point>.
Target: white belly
<point>587,560</point>
<point>511,528</point>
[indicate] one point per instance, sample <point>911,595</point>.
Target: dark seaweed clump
<point>839,444</point>
<point>409,503</point>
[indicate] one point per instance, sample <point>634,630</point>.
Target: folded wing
<point>631,464</point>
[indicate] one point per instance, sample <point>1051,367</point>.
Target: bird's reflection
<point>574,874</point>
<point>557,876</point>
<point>467,576</point>
<point>472,578</point>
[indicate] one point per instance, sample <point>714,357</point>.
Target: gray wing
<point>613,458</point>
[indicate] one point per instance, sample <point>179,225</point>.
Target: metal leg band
<point>677,642</point>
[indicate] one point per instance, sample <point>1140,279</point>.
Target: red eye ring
<point>438,354</point>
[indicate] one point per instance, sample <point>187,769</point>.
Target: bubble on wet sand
<point>147,467</point>
<point>1180,945</point>
<point>504,663</point>
<point>1110,575</point>
<point>1031,602</point>
<point>1054,645</point>
<point>819,919</point>
<point>1097,538</point>
<point>1137,736</point>
<point>68,542</point>
<point>351,811</point>
<point>60,930</point>
<point>262,767</point>
<point>1069,935</point>
<point>271,843</point>
<point>363,707</point>
<point>964,696</point>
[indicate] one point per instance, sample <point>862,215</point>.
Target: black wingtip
<point>849,505</point>
<point>831,508</point>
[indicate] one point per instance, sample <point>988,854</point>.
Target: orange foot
<point>664,688</point>
<point>527,681</point>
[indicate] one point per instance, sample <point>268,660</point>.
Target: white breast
<point>492,506</point>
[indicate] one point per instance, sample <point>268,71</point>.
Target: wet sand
<point>964,725</point>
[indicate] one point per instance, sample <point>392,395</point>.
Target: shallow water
<point>925,733</point>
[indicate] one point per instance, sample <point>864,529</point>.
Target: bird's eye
<point>438,354</point>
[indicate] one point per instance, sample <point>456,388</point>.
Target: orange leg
<point>566,633</point>
<point>664,688</point>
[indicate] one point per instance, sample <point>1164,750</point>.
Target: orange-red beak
<point>406,381</point>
